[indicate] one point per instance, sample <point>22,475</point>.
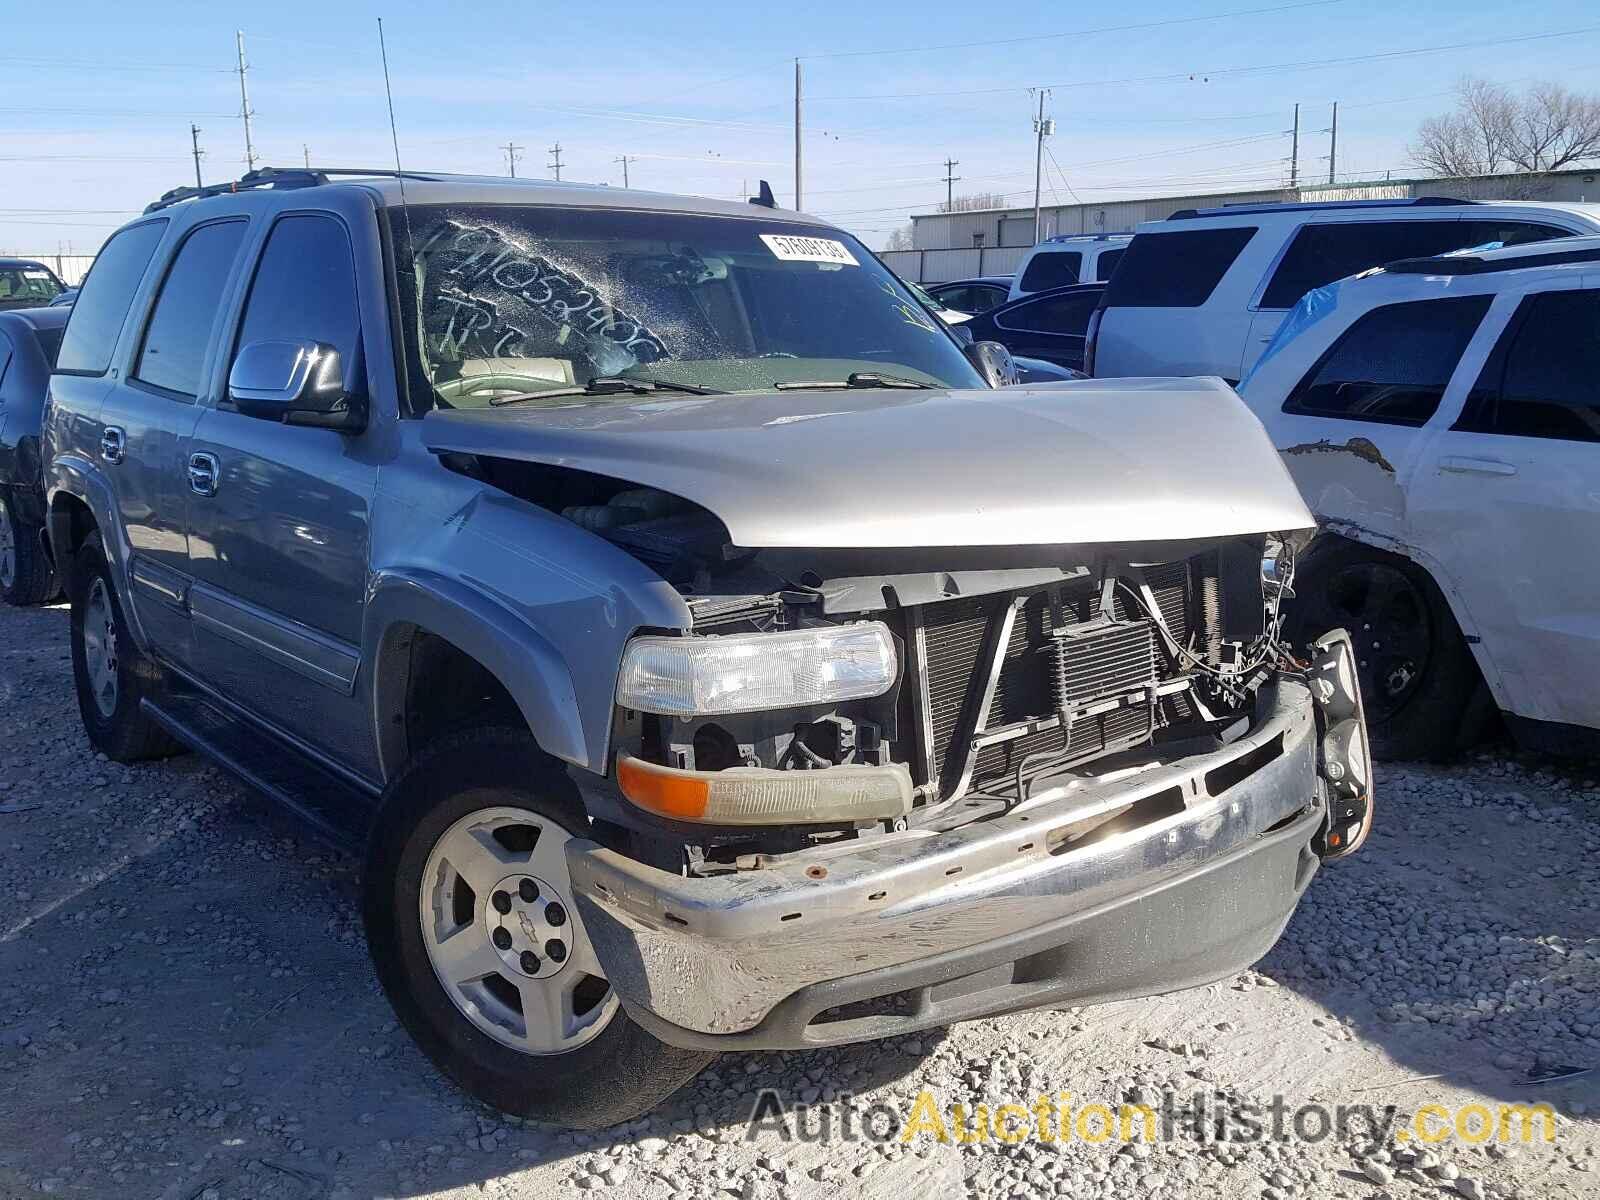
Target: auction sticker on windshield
<point>809,249</point>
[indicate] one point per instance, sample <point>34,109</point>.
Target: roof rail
<point>1473,264</point>
<point>1234,210</point>
<point>275,177</point>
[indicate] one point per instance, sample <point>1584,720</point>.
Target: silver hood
<point>1120,460</point>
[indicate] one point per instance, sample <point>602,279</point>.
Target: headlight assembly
<point>703,676</point>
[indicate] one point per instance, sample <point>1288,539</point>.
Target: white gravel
<point>187,1012</point>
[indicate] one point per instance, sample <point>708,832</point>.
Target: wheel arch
<point>1336,533</point>
<point>436,643</point>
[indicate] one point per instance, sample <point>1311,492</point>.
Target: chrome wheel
<point>504,938</point>
<point>100,647</point>
<point>8,549</point>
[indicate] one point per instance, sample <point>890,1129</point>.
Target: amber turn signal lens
<point>666,793</point>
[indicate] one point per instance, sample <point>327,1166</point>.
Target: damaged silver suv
<point>708,655</point>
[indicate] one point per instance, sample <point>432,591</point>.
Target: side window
<point>102,304</point>
<point>955,297</point>
<point>1392,365</point>
<point>1510,233</point>
<point>1320,254</point>
<point>1051,268</point>
<point>305,288</point>
<point>1107,263</point>
<point>1175,270</point>
<point>1064,315</point>
<point>1542,379</point>
<point>186,309</point>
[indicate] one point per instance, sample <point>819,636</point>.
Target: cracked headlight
<point>700,676</point>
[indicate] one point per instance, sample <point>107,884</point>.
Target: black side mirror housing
<point>994,363</point>
<point>297,383</point>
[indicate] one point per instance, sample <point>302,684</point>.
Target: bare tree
<point>1493,130</point>
<point>973,202</point>
<point>901,238</point>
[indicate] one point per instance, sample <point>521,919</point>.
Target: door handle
<point>204,472</point>
<point>112,445</point>
<point>1456,465</point>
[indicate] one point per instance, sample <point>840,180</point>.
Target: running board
<point>337,812</point>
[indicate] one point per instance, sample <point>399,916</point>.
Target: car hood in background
<point>1096,461</point>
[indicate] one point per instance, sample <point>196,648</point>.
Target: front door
<point>279,516</point>
<point>1509,498</point>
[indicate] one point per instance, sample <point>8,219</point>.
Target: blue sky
<point>95,114</point>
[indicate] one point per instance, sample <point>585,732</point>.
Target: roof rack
<point>1473,264</point>
<point>277,177</point>
<point>1082,237</point>
<point>1234,210</point>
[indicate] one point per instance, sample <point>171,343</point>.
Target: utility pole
<point>555,161</point>
<point>625,160</point>
<point>1333,145</point>
<point>511,149</point>
<point>950,180</point>
<point>194,141</point>
<point>244,105</point>
<point>1041,129</point>
<point>1294,153</point>
<point>797,155</point>
<point>305,150</point>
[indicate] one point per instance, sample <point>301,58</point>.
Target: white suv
<point>1058,261</point>
<point>1442,418</point>
<point>1203,292</point>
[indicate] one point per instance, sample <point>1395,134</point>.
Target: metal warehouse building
<point>993,241</point>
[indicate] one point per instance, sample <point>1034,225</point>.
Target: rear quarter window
<point>102,304</point>
<point>1051,268</point>
<point>1175,270</point>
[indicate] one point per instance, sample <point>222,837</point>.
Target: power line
<point>1089,32</point>
<point>1219,72</point>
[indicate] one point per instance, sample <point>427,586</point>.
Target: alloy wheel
<point>100,647</point>
<point>504,938</point>
<point>1390,626</point>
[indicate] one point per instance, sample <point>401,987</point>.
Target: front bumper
<point>925,927</point>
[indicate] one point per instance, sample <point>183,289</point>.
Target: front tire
<point>111,674</point>
<point>26,576</point>
<point>1420,685</point>
<point>478,943</point>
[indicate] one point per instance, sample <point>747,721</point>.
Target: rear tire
<point>1419,681</point>
<point>502,1018</point>
<point>26,576</point>
<point>111,674</point>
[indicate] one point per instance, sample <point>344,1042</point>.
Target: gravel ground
<point>187,1012</point>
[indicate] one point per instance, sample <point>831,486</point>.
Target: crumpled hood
<point>1093,461</point>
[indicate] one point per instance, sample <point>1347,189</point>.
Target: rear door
<point>279,514</point>
<point>148,418</point>
<point>1508,498</point>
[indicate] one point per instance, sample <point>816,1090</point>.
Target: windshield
<point>30,283</point>
<point>513,301</point>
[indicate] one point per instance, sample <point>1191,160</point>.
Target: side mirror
<point>298,383</point>
<point>994,363</point>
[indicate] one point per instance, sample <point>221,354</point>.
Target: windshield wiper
<point>611,385</point>
<point>856,379</point>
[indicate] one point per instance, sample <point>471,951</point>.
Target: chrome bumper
<point>707,960</point>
